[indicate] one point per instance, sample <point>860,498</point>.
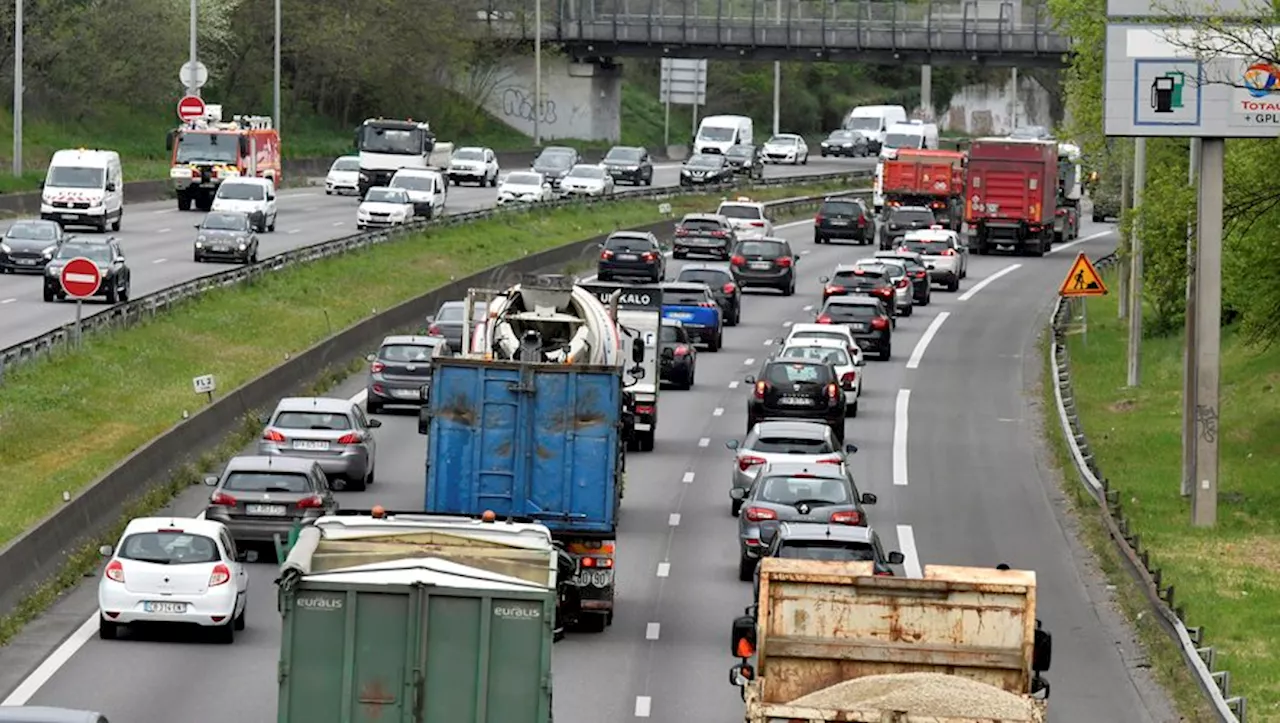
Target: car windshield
<point>624,155</point>
<point>767,249</point>
<point>242,192</point>
<point>792,445</point>
<point>468,154</point>
<point>831,355</point>
<point>716,133</point>
<point>802,335</point>
<point>225,222</point>
<point>789,374</point>
<point>869,278</point>
<point>414,183</point>
<point>628,243</point>
<point>33,231</point>
<point>595,172</point>
<point>267,482</point>
<point>169,547</point>
<point>730,210</point>
<point>842,136</point>
<point>706,160</point>
<point>683,297</point>
<point>452,311</point>
<point>832,550</point>
<point>740,151</point>
<point>701,224</point>
<point>312,420</point>
<point>911,215</point>
<point>197,147</point>
<point>863,123</point>
<point>893,271</point>
<point>668,334</point>
<point>851,311</point>
<point>902,140</point>
<point>524,179</point>
<point>846,207</point>
<point>346,164</point>
<point>408,353</point>
<point>793,490</point>
<point>385,195</point>
<point>398,141</point>
<point>101,253</point>
<point>555,159</point>
<point>926,246</point>
<point>710,277</point>
<point>783,141</point>
<point>75,177</point>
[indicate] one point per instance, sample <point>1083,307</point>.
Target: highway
<point>157,240</point>
<point>948,441</point>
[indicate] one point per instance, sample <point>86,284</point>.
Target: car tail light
<point>349,438</point>
<point>644,409</point>
<point>707,305</point>
<point>784,262</point>
<point>719,234</point>
<point>747,461</point>
<point>883,291</point>
<point>920,274</point>
<point>222,499</point>
<point>880,323</point>
<point>648,256</point>
<point>884,573</point>
<point>948,252</point>
<point>939,204</point>
<point>272,435</point>
<point>831,289</point>
<point>903,283</point>
<point>682,231</point>
<point>760,514</point>
<point>434,331</point>
<point>115,571</point>
<point>221,575</point>
<point>848,517</point>
<point>729,288</point>
<point>589,561</point>
<point>314,502</point>
<point>824,319</point>
<point>379,389</point>
<point>606,255</point>
<point>682,350</point>
<point>761,387</point>
<point>377,367</point>
<point>833,392</point>
<point>831,460</point>
<point>737,260</point>
<point>1060,212</point>
<point>847,379</point>
<point>904,249</point>
<point>862,222</point>
<point>758,224</point>
<point>818,219</point>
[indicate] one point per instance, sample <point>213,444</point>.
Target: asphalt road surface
<point>157,241</point>
<point>965,487</point>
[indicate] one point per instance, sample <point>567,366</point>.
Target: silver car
<point>904,297</point>
<point>259,497</point>
<point>333,432</point>
<point>791,492</point>
<point>783,440</point>
<point>400,369</point>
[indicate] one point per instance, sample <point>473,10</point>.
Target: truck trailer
<point>415,617</point>
<point>833,641</point>
<point>930,178</point>
<point>1011,195</point>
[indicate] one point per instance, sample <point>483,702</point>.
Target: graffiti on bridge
<point>517,104</point>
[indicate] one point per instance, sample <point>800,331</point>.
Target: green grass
<point>66,421</point>
<point>643,118</point>
<point>1228,577</point>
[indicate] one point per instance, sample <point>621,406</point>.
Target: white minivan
<point>84,188</point>
<point>719,133</point>
<point>254,196</point>
<point>874,121</point>
<point>427,190</point>
<point>913,135</point>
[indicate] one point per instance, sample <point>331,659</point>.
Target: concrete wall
<point>987,110</point>
<point>581,101</point>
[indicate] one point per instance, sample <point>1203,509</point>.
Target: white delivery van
<point>253,196</point>
<point>719,133</point>
<point>874,121</point>
<point>426,190</point>
<point>913,134</point>
<point>84,188</point>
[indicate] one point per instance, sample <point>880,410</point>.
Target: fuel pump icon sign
<point>1166,92</point>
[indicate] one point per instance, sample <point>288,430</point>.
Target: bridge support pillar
<point>926,92</point>
<point>581,100</point>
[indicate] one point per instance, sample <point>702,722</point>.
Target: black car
<point>917,270</point>
<point>226,236</point>
<point>851,144</point>
<point>554,163</point>
<point>797,389</point>
<point>746,160</point>
<point>866,318</point>
<point>764,263</point>
<point>29,244</point>
<point>853,279</point>
<point>898,220</point>
<point>631,253</point>
<point>706,169</point>
<point>723,288</point>
<point>401,369</point>
<point>843,218</point>
<point>106,252</point>
<point>448,320</point>
<point>703,233</point>
<point>832,542</point>
<point>629,164</point>
<point>677,358</point>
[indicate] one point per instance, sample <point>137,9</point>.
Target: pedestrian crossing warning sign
<point>1082,280</point>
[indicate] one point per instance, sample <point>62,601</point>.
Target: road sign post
<point>193,75</point>
<point>682,81</point>
<point>1082,282</point>
<point>80,279</point>
<point>190,108</point>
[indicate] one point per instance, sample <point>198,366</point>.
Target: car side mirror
<point>211,480</point>
<point>732,444</point>
<point>375,423</point>
<point>749,380</point>
<point>824,279</point>
<point>896,558</point>
<point>1042,650</point>
<point>868,498</point>
<point>737,493</point>
<point>106,550</point>
<point>851,448</point>
<point>744,637</point>
<point>637,350</point>
<point>111,186</point>
<point>668,353</point>
<point>370,357</point>
<point>196,225</point>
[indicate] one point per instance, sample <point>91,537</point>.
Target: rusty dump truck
<point>930,178</point>
<point>1011,195</point>
<point>833,641</point>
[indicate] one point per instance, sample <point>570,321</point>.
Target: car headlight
<point>241,241</point>
<point>242,246</point>
<point>201,239</point>
<point>5,248</point>
<point>48,251</point>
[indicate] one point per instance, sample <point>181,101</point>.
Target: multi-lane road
<point>948,442</point>
<point>157,240</point>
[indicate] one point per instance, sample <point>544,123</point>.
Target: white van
<point>874,121</point>
<point>254,196</point>
<point>84,188</point>
<point>913,134</point>
<point>719,133</point>
<point>426,190</point>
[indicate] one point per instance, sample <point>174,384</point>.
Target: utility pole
<point>1135,263</point>
<point>276,103</point>
<point>193,89</point>
<point>926,92</point>
<point>1189,350</point>
<point>777,80</point>
<point>1013,104</point>
<point>537,73</point>
<point>1123,311</point>
<point>17,88</point>
<point>1204,506</point>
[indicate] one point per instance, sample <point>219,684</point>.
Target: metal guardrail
<point>1199,658</point>
<point>146,307</point>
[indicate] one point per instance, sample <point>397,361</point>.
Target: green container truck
<point>384,622</point>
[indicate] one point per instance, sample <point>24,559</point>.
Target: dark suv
<point>723,287</point>
<point>866,318</point>
<point>843,218</point>
<point>746,160</point>
<point>797,389</point>
<point>629,164</point>
<point>847,279</point>
<point>555,162</point>
<point>898,220</point>
<point>703,233</point>
<point>631,253</point>
<point>765,263</point>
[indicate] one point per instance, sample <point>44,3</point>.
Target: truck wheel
<point>184,202</point>
<point>592,622</point>
<point>746,566</point>
<point>714,344</point>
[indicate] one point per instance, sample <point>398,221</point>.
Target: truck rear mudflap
<point>594,582</point>
<point>1019,236</point>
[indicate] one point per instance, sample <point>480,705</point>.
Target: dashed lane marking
<point>988,281</point>
<point>768,342</point>
<point>673,520</point>
<point>688,477</point>
<point>900,413</point>
<point>643,704</point>
<point>652,630</point>
<point>717,412</point>
<point>664,569</point>
<point>293,231</point>
<point>911,557</point>
<point>733,384</point>
<point>918,353</point>
<point>749,361</point>
<point>159,261</point>
<point>7,301</point>
<point>1079,241</point>
<point>704,442</point>
<point>164,230</point>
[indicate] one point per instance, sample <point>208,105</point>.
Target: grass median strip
<point>1227,578</point>
<point>67,420</point>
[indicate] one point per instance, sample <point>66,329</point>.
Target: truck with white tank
<point>387,145</point>
<point>1066,223</point>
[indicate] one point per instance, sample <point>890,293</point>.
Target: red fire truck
<point>207,151</point>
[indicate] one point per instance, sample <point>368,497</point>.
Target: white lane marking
<point>338,223</point>
<point>8,301</point>
<point>159,261</point>
<point>294,230</point>
<point>643,704</point>
<point>987,281</point>
<point>664,569</point>
<point>81,278</point>
<point>911,557</point>
<point>688,478</point>
<point>673,520</point>
<point>918,352</point>
<point>788,323</point>
<point>793,224</point>
<point>750,360</point>
<point>1079,241</point>
<point>27,689</point>
<point>360,396</point>
<point>733,384</point>
<point>163,210</point>
<point>164,230</point>
<point>809,307</point>
<point>768,342</point>
<point>804,252</point>
<point>900,436</point>
<point>704,442</point>
<point>652,630</point>
<point>717,412</point>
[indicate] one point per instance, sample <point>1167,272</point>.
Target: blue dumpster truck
<point>538,442</point>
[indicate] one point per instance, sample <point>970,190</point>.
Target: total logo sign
<point>1257,98</point>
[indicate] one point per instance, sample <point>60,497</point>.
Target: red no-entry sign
<point>81,278</point>
<point>190,108</point>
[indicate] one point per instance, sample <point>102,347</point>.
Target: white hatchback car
<point>748,218</point>
<point>840,332</point>
<point>173,570</point>
<point>524,187</point>
<point>344,176</point>
<point>837,354</point>
<point>384,207</point>
<point>944,254</point>
<point>254,196</point>
<point>786,148</point>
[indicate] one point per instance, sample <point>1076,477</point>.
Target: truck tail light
<point>880,323</point>
<point>760,514</point>
<point>115,571</point>
<point>848,517</point>
<point>597,562</point>
<point>747,461</point>
<point>222,499</point>
<point>221,575</point>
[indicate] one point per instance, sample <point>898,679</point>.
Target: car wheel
<point>240,622</point>
<point>886,353</point>
<point>48,295</point>
<point>713,345</point>
<point>853,411</point>
<point>746,566</point>
<point>107,630</point>
<point>197,258</point>
<point>735,507</point>
<point>679,254</point>
<point>646,441</point>
<point>790,290</point>
<point>838,430</point>
<point>373,407</point>
<point>354,486</point>
<point>113,294</point>
<point>225,634</point>
<point>953,285</point>
<point>911,310</point>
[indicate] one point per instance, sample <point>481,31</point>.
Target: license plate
<point>27,262</point>
<point>219,249</point>
<point>794,401</point>
<point>839,222</point>
<point>627,257</point>
<point>858,327</point>
<point>760,265</point>
<point>682,315</point>
<point>309,445</point>
<point>406,393</point>
<point>176,608</point>
<point>269,510</point>
<point>70,216</point>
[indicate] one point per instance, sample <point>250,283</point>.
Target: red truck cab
<point>1011,195</point>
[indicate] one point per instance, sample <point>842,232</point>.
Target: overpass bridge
<point>984,32</point>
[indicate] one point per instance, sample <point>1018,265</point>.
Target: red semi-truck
<point>1011,195</point>
<point>930,178</point>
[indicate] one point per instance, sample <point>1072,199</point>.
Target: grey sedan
<point>28,245</point>
<point>333,432</point>
<point>795,493</point>
<point>447,321</point>
<point>781,441</point>
<point>226,236</point>
<point>400,369</point>
<point>260,497</point>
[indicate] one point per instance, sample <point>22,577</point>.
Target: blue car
<point>694,306</point>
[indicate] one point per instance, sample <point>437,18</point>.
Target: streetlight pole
<point>537,73</point>
<point>17,88</point>
<point>276,103</point>
<point>777,80</point>
<point>193,89</point>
